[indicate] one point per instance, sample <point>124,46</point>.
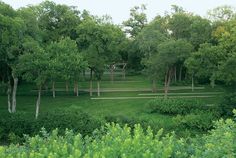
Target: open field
<point>112,103</point>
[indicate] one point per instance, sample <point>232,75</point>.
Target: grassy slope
<point>131,108</point>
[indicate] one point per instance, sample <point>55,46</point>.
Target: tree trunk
<point>38,103</point>
<point>67,87</point>
<point>15,79</point>
<point>9,97</point>
<point>91,83</point>
<point>98,86</point>
<point>53,90</point>
<point>213,83</point>
<point>192,83</point>
<point>180,73</point>
<point>76,88</point>
<point>167,82</point>
<point>154,87</point>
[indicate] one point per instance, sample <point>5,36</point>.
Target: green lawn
<point>129,108</point>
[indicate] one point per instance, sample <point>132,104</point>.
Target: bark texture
<point>98,88</point>
<point>53,89</point>
<point>15,81</point>
<point>38,103</point>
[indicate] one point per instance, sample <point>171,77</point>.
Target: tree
<point>32,66</point>
<point>11,38</point>
<point>100,42</point>
<point>206,61</point>
<point>200,31</point>
<point>179,25</point>
<point>222,13</point>
<point>192,68</point>
<point>65,62</point>
<point>171,53</point>
<point>226,73</point>
<point>137,20</point>
<point>56,20</point>
<point>148,41</point>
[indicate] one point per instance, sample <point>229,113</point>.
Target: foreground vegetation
<point>183,65</point>
<point>116,141</point>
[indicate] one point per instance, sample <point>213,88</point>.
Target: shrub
<point>14,126</point>
<point>228,103</point>
<point>197,121</point>
<point>182,107</point>
<point>121,142</point>
<point>175,106</point>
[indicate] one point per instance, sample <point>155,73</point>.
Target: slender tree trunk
<point>38,103</point>
<point>98,86</point>
<point>91,83</point>
<point>76,88</point>
<point>192,83</point>
<point>67,86</point>
<point>53,89</point>
<point>213,83</point>
<point>124,74</point>
<point>9,97</point>
<point>154,87</point>
<point>180,72</point>
<point>167,84</point>
<point>15,79</point>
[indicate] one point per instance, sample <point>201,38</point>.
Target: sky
<point>119,9</point>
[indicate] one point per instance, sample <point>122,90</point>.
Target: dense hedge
<point>121,142</point>
<point>202,121</point>
<point>190,114</point>
<point>178,106</point>
<point>13,127</point>
<point>228,103</point>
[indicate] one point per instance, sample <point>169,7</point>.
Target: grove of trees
<point>49,41</point>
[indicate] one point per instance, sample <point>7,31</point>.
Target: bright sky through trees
<point>119,9</point>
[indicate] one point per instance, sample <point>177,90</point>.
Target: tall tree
<point>222,13</point>
<point>148,42</point>
<point>137,20</point>
<point>207,61</point>
<point>32,66</point>
<point>12,29</point>
<point>171,53</point>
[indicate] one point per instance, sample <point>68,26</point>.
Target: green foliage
<point>137,20</point>
<point>175,106</point>
<point>115,141</point>
<point>200,120</point>
<point>191,114</point>
<point>14,127</point>
<point>228,103</point>
<point>66,61</point>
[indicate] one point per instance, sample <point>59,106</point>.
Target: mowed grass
<point>128,108</point>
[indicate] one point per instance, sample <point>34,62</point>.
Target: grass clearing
<point>119,99</point>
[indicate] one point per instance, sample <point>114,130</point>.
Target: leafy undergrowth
<point>116,141</point>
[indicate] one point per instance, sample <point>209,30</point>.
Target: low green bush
<point>175,106</point>
<point>200,120</point>
<point>120,142</point>
<point>228,103</point>
<point>14,126</point>
<point>181,107</point>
